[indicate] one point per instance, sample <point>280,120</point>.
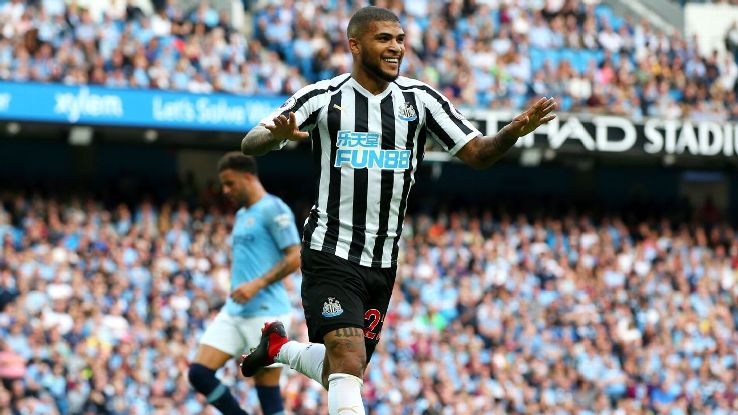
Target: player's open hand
<point>286,128</point>
<point>538,114</point>
<point>246,291</point>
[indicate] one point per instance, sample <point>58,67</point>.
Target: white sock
<point>306,358</point>
<point>344,395</point>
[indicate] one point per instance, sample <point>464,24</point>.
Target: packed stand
<point>483,53</point>
<point>122,46</point>
<point>101,309</point>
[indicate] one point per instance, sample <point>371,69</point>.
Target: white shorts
<point>236,335</point>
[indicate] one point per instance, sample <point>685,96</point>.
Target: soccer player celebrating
<point>368,130</point>
<point>265,249</point>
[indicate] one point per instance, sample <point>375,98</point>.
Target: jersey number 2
<point>372,318</point>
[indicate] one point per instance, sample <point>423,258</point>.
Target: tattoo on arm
<point>492,148</point>
<point>285,267</point>
<point>277,273</point>
<point>259,141</point>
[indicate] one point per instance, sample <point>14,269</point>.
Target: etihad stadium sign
<point>614,134</point>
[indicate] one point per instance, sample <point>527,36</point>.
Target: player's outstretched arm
<point>259,141</point>
<point>482,152</point>
<point>265,138</point>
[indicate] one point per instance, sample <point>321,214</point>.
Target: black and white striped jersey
<point>367,148</point>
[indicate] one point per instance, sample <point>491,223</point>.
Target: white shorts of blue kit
<point>238,335</point>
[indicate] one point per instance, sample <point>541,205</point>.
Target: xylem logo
<point>87,104</point>
<point>361,151</point>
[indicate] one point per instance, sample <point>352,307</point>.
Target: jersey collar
<point>366,93</point>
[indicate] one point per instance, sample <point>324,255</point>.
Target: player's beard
<point>375,70</point>
<point>238,198</point>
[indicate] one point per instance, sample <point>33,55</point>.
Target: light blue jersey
<point>260,235</point>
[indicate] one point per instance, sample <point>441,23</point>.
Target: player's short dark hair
<point>239,162</point>
<point>360,21</point>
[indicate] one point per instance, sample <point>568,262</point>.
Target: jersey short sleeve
<point>445,123</point>
<point>280,222</point>
<point>305,103</point>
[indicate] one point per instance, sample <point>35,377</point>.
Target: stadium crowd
<point>487,53</point>
<point>494,313</point>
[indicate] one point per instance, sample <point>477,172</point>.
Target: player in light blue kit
<point>265,249</point>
